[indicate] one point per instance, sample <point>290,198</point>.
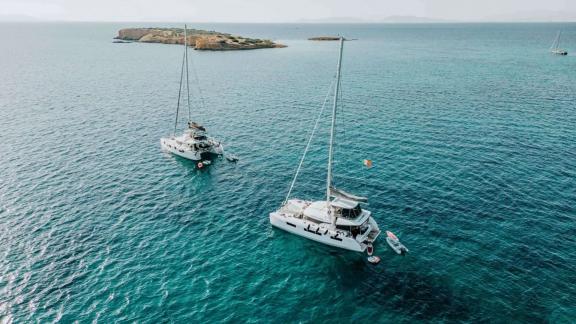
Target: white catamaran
<point>555,48</point>
<point>339,220</point>
<point>194,144</point>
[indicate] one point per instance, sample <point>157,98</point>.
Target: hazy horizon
<point>295,11</point>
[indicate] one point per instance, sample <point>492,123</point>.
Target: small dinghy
<point>204,163</point>
<point>374,259</point>
<point>369,249</point>
<point>231,157</point>
<point>395,244</point>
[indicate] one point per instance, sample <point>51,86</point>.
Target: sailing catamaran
<point>555,48</point>
<point>339,220</point>
<point>194,144</point>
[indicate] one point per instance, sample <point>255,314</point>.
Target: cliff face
<point>199,39</point>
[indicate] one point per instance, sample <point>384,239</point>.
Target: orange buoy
<point>200,165</point>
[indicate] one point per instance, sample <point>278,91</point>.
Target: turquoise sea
<point>471,128</point>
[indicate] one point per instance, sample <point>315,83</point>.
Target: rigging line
<point>332,134</point>
<point>556,43</point>
<point>187,81</point>
<point>179,94</point>
<point>339,147</point>
<point>196,79</point>
<point>309,141</point>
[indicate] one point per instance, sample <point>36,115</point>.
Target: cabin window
<point>353,230</point>
<point>351,213</point>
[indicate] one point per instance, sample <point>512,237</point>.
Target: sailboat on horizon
<point>194,144</point>
<point>338,221</point>
<point>555,48</point>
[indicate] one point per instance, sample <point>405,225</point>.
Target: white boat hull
<point>319,233</point>
<point>399,248</point>
<point>170,145</point>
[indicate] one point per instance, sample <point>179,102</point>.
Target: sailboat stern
<point>374,231</point>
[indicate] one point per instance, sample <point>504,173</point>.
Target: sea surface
<point>471,129</point>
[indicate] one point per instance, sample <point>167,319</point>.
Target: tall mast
<point>179,94</point>
<point>331,149</point>
<point>556,43</point>
<point>186,59</point>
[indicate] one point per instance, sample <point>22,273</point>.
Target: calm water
<point>472,130</point>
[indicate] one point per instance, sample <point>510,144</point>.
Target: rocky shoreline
<point>199,39</point>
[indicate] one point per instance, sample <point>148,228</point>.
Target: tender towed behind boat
<point>395,244</point>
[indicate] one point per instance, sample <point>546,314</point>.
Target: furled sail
<point>337,193</point>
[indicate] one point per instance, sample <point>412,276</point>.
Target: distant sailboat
<point>339,220</point>
<point>555,48</point>
<point>194,144</point>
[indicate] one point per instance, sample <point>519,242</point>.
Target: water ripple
<point>473,154</point>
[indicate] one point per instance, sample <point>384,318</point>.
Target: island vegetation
<point>199,39</point>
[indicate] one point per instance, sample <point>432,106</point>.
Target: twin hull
<point>298,226</point>
<point>169,145</point>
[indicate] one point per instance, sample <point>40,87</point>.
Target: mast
<point>556,43</point>
<point>179,92</point>
<point>186,59</point>
<point>331,149</point>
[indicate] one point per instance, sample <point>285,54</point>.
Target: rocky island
<point>324,38</point>
<point>199,39</point>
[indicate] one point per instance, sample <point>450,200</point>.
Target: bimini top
<point>195,125</point>
<point>350,214</point>
<point>337,193</point>
<point>343,203</point>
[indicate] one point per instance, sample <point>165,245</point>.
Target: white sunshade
<point>337,193</point>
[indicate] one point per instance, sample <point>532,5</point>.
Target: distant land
<point>551,16</point>
<point>514,17</point>
<point>17,18</point>
<point>519,17</point>
<point>325,38</point>
<point>199,39</point>
<point>533,16</point>
<point>389,19</point>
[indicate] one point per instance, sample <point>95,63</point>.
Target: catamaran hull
<point>299,227</point>
<point>560,52</point>
<point>170,146</point>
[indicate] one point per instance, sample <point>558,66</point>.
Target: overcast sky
<point>286,10</point>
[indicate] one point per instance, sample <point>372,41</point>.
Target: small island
<point>325,38</point>
<point>199,39</point>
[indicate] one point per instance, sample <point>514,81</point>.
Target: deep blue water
<point>471,127</point>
